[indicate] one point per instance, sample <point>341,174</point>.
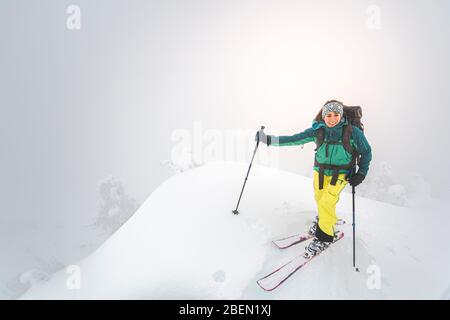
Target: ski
<point>274,279</point>
<point>284,243</point>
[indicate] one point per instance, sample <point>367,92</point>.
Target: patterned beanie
<point>332,107</point>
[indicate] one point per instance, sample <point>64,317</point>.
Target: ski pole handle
<point>257,141</point>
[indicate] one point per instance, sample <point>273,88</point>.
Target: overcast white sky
<point>105,99</point>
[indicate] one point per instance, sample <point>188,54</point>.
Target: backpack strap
<point>320,137</point>
<point>346,135</point>
<point>321,177</point>
<point>335,170</point>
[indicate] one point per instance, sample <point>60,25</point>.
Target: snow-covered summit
<point>185,243</point>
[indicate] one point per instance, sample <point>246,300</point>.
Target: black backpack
<point>353,116</point>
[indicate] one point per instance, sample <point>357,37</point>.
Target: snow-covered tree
<point>115,206</point>
<point>377,183</point>
<point>177,167</point>
<point>181,162</point>
<point>404,190</point>
<point>396,194</point>
<point>417,189</point>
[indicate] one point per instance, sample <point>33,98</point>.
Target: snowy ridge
<point>184,243</point>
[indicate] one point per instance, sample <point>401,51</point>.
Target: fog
<point>78,105</point>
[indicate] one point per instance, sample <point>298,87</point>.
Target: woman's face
<point>332,119</point>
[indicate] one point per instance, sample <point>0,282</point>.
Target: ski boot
<point>313,228</point>
<point>315,247</point>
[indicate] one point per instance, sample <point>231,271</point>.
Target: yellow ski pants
<point>326,200</point>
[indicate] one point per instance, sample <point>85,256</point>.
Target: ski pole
<point>353,224</point>
<point>235,211</point>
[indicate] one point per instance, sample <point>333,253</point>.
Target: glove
<point>263,137</point>
<point>356,179</point>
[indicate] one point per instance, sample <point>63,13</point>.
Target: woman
<point>340,147</point>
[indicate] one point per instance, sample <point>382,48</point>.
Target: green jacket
<point>337,154</point>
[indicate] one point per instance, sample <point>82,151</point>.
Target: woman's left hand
<point>356,179</point>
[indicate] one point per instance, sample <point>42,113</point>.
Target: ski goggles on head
<point>332,107</point>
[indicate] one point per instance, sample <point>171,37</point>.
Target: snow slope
<point>184,243</point>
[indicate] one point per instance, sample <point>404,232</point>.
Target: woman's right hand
<point>262,137</point>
